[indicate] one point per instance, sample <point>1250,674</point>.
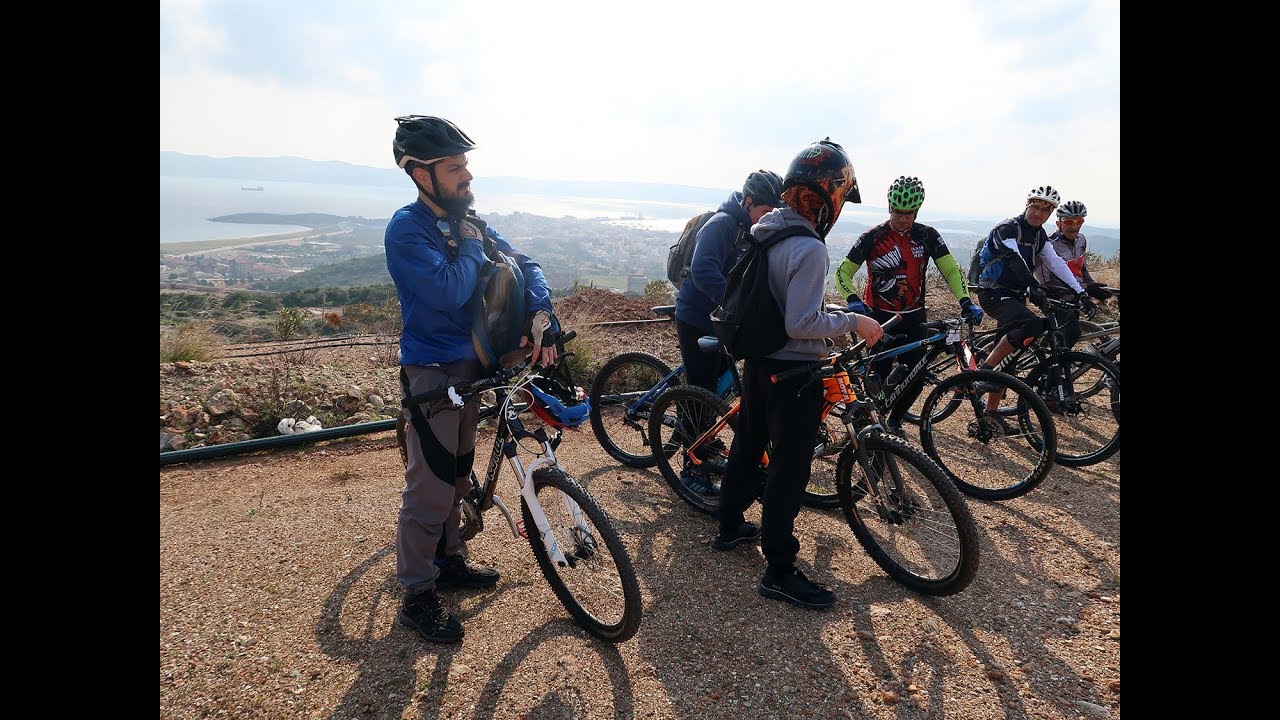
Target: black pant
<point>912,325</point>
<point>786,417</point>
<point>700,368</point>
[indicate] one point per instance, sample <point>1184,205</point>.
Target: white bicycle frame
<point>525,477</point>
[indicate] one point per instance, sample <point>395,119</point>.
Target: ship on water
<point>258,188</point>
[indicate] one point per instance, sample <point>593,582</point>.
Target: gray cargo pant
<point>431,508</point>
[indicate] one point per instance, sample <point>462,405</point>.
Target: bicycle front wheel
<point>985,454</point>
<point>619,410</point>
<point>678,418</point>
<point>597,584</point>
<point>1088,422</point>
<point>915,525</point>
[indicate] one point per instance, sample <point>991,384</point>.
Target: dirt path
<point>278,600</point>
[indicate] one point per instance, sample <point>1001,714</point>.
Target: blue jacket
<point>435,279</point>
<point>718,246</point>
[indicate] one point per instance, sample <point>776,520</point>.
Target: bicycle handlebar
<point>459,392</point>
<point>816,367</point>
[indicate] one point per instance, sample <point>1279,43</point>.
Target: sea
<point>188,203</point>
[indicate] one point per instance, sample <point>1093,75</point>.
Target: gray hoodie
<point>797,277</point>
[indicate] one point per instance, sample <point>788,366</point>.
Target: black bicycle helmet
<point>763,187</point>
<point>824,168</point>
<point>427,139</point>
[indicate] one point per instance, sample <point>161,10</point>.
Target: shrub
<point>659,292</point>
<point>582,362</point>
<point>288,320</point>
<point>192,342</point>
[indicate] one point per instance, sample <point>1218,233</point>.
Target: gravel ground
<point>278,600</point>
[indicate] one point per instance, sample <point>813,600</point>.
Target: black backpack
<point>749,323</point>
<point>680,255</point>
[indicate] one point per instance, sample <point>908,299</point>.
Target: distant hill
<point>959,234</point>
<point>368,270</point>
<point>311,220</point>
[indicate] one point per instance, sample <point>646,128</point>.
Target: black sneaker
<point>455,571</point>
<point>895,428</point>
<point>796,589</point>
<point>746,532</point>
<point>424,613</point>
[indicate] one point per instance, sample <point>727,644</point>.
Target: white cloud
<point>981,100</point>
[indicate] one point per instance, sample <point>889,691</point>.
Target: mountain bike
<point>902,508</point>
<point>1088,419</point>
<point>682,412</point>
<point>821,490</point>
<point>983,453</point>
<point>622,395</point>
<point>1106,343</point>
<point>575,544</point>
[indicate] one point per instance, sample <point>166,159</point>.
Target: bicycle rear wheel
<point>987,456</point>
<point>619,417</point>
<point>598,585</point>
<point>917,527</point>
<point>1088,422</point>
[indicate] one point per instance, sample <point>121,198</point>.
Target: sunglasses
<point>1041,207</point>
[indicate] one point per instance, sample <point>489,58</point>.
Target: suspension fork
<point>873,480</point>
<point>528,492</point>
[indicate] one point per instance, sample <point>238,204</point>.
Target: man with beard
<point>897,253</point>
<point>436,247</point>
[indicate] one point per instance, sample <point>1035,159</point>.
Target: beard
<point>457,205</point>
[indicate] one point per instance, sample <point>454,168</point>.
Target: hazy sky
<point>982,100</point>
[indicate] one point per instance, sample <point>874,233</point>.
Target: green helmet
<point>906,193</point>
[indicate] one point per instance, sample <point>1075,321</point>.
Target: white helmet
<point>1072,209</point>
<point>1047,194</point>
